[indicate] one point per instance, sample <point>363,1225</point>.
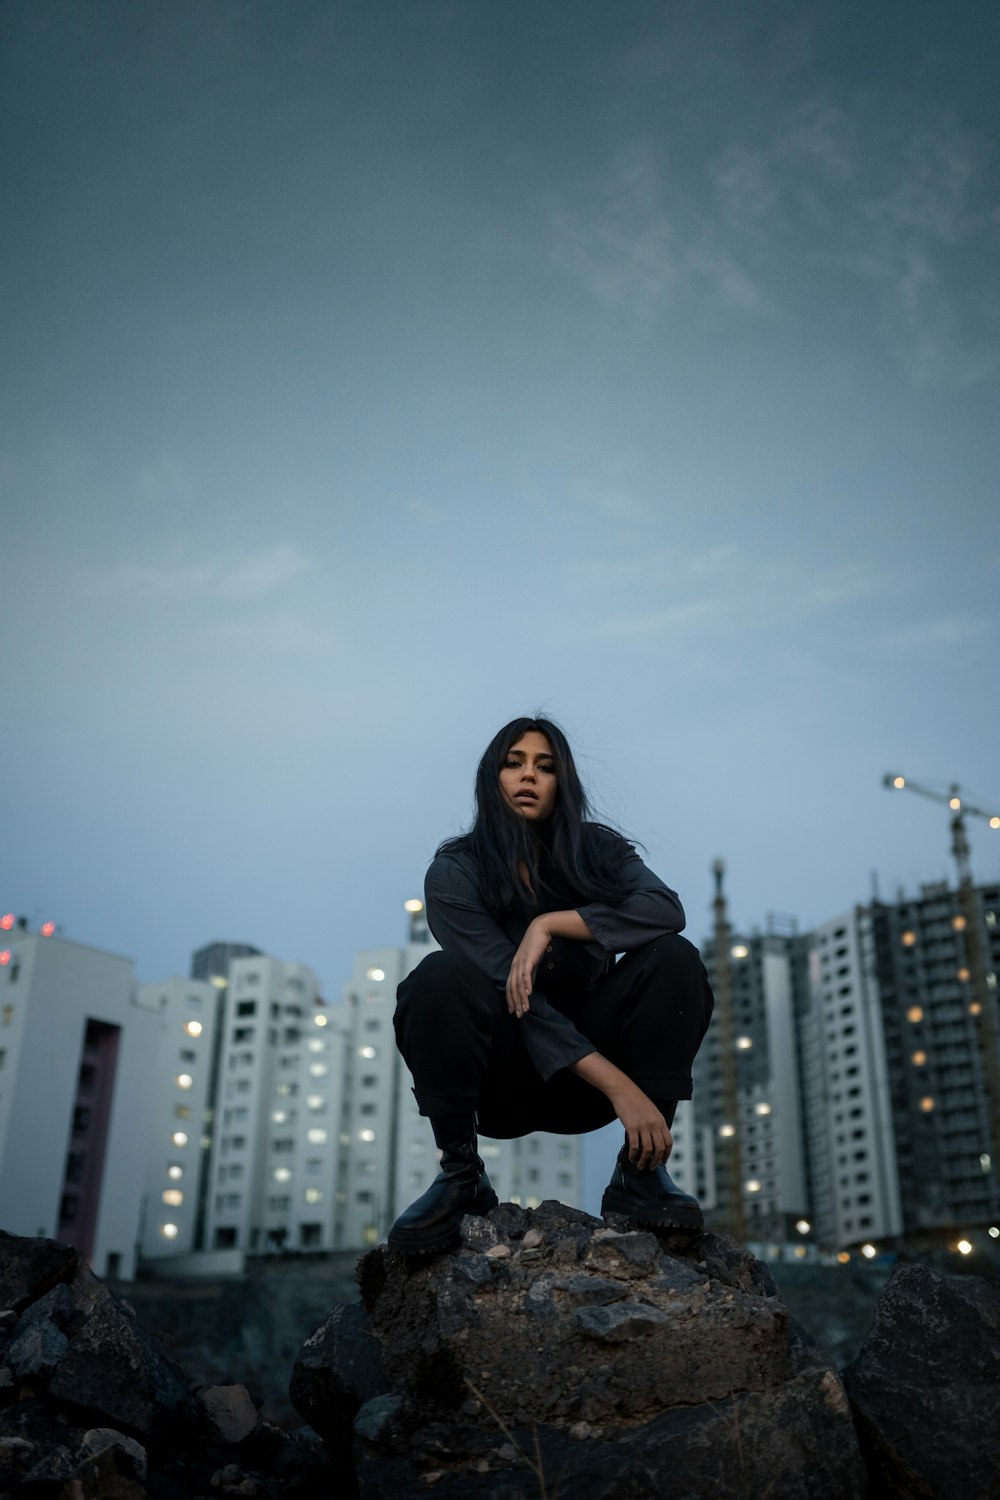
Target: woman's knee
<point>439,985</point>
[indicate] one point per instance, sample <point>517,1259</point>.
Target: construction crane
<point>973,973</point>
<point>722,984</point>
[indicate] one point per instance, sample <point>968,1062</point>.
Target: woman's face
<point>528,780</point>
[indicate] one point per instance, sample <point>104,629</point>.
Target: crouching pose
<point>528,1018</point>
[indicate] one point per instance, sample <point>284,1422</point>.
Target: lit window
<point>869,1251</point>
<point>179,1138</point>
<point>958,923</point>
<point>843,1257</point>
<point>368,1052</point>
<point>316,1137</point>
<point>753,1185</point>
<point>175,1172</point>
<point>375,974</point>
<point>803,1226</point>
<point>762,1109</point>
<point>313,1195</point>
<point>320,1020</point>
<point>915,1013</point>
<point>184,1080</point>
<point>918,1059</point>
<point>727,1130</point>
<point>282,1174</point>
<point>744,1043</point>
<point>366,1135</point>
<point>316,1045</point>
<point>193,1028</point>
<point>908,939</point>
<point>975,1008</point>
<point>318,1070</point>
<point>927,1104</point>
<point>740,951</point>
<point>173,1197</point>
<point>169,1231</point>
<point>962,975</point>
<point>315,1101</point>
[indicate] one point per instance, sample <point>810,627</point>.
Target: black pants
<point>647,1015</point>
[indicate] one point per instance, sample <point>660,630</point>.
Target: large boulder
<point>926,1387</point>
<point>626,1366</point>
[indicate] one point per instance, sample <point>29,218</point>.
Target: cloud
<point>244,579</point>
<point>932,634</point>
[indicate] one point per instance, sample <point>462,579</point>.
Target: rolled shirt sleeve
<point>646,910</point>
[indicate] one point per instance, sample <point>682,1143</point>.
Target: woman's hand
<point>649,1138</point>
<point>521,979</point>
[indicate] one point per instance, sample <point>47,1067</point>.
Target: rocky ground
<point>548,1354</point>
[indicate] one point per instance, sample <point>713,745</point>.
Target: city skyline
<point>375,374</point>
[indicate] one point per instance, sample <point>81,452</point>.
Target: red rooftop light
<point>7,921</point>
<point>47,929</point>
<point>5,956</point>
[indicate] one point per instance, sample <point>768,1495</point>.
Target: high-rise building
<point>76,1055</point>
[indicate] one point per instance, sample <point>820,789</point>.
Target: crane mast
<point>722,983</point>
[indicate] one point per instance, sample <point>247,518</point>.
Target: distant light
<point>908,939</point>
<point>958,923</point>
<point>975,1008</point>
<point>744,1043</point>
<point>318,1070</point>
<point>5,956</point>
<point>993,1232</point>
<point>915,1013</point>
<point>753,1185</point>
<point>282,1174</point>
<point>278,1116</point>
<point>315,1101</point>
<point>169,1231</point>
<point>927,1104</point>
<point>6,921</point>
<point>179,1138</point>
<point>868,1251</point>
<point>843,1257</point>
<point>918,1059</point>
<point>740,950</point>
<point>47,929</point>
<point>375,974</point>
<point>803,1226</point>
<point>368,1052</point>
<point>954,803</point>
<point>316,1045</point>
<point>219,980</point>
<point>800,1252</point>
<point>726,1131</point>
<point>193,1028</point>
<point>985,1161</point>
<point>175,1173</point>
<point>995,822</point>
<point>964,1247</point>
<point>173,1197</point>
<point>205,1142</point>
<point>366,1135</point>
<point>316,1137</point>
<point>963,975</point>
<point>762,1109</point>
<point>413,905</point>
<point>899,782</point>
<point>313,1195</point>
<point>321,1020</point>
<point>184,1080</point>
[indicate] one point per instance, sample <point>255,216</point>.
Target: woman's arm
<point>649,1138</point>
<point>540,932</point>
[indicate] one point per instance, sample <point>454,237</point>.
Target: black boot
<point>461,1187</point>
<point>649,1197</point>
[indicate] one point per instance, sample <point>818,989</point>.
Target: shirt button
<point>549,948</point>
<point>550,966</point>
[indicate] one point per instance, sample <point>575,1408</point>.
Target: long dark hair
<point>567,854</point>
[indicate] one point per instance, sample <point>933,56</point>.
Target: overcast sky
<point>375,372</point>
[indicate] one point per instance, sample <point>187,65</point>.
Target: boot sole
<point>617,1202</point>
<point>425,1242</point>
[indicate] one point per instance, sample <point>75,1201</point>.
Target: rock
<point>338,1369</point>
<point>102,1439</point>
<point>925,1387</point>
<point>31,1267</point>
<point>39,1342</point>
<point>230,1411</point>
<point>637,1370</point>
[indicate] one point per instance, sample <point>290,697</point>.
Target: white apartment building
<point>849,1125</point>
<point>178,1102</point>
<point>76,1056</point>
<point>387,1153</point>
<point>279,1101</point>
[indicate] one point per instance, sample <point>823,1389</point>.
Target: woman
<point>524,1020</point>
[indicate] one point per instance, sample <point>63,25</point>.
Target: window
<point>243,1034</point>
<point>246,1008</point>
